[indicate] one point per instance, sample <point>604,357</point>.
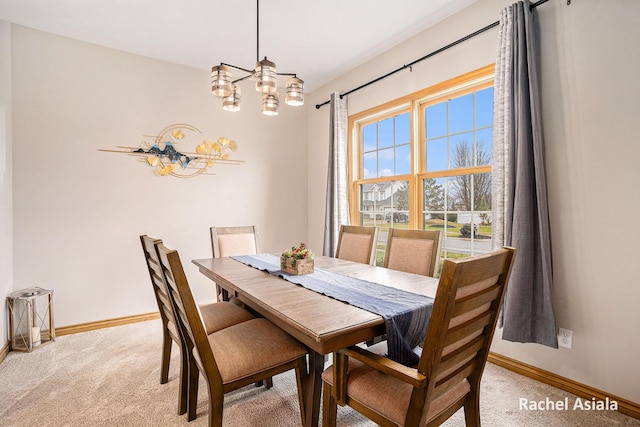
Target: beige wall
<point>589,95</point>
<point>6,258</point>
<point>78,212</point>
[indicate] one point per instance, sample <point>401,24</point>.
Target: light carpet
<point>111,377</point>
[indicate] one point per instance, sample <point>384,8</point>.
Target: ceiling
<point>316,39</point>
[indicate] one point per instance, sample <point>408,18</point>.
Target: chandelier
<point>266,82</point>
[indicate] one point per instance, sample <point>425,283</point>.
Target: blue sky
<point>386,148</point>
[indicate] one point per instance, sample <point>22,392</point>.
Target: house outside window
<point>424,162</point>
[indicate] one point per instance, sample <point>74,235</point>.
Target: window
<point>424,161</point>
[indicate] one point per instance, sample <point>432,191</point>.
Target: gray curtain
<point>521,217</point>
<point>337,206</point>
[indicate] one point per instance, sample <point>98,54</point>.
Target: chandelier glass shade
<point>266,76</point>
<point>266,82</point>
<point>295,92</point>
<point>221,80</point>
<point>270,102</point>
<point>231,102</point>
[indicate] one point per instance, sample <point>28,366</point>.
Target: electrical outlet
<point>565,337</point>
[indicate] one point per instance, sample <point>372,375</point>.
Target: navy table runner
<point>406,314</point>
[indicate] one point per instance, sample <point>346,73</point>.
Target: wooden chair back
<point>463,321</point>
<point>188,314</point>
<point>170,326</point>
<point>413,251</point>
<point>159,287</point>
<point>357,243</point>
<point>231,241</point>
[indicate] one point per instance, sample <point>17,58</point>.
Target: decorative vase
<point>296,266</point>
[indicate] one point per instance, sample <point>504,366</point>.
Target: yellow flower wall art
<point>162,154</point>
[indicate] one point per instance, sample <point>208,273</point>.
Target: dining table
<point>321,323</point>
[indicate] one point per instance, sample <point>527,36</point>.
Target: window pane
<point>369,135</point>
<point>385,133</point>
<point>461,113</point>
<point>385,162</point>
<point>462,155</point>
<point>433,194</point>
<point>482,192</point>
<point>403,159</point>
<point>436,120</point>
<point>370,207</point>
<point>460,192</point>
<point>370,165</point>
<point>484,107</point>
<point>484,145</point>
<point>437,158</point>
<point>403,129</point>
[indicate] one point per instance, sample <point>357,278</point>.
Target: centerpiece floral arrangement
<point>297,260</point>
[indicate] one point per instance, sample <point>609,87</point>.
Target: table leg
<point>314,389</point>
<point>222,294</point>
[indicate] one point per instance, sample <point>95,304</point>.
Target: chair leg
<point>166,357</point>
<point>472,409</point>
<point>301,380</point>
<point>216,403</point>
<point>194,376</point>
<point>267,383</point>
<point>329,408</point>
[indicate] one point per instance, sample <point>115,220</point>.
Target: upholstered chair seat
<point>221,315</point>
<point>246,349</point>
<point>372,389</point>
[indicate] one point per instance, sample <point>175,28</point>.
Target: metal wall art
<point>163,155</point>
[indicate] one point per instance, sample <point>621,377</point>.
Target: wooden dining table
<point>321,323</point>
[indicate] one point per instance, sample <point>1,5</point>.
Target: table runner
<point>406,314</point>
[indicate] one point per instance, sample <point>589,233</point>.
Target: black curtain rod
<point>429,55</point>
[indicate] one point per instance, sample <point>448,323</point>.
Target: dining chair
<point>231,358</point>
<point>357,243</point>
<point>463,320</point>
<point>413,251</point>
<point>231,241</point>
<point>215,317</point>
